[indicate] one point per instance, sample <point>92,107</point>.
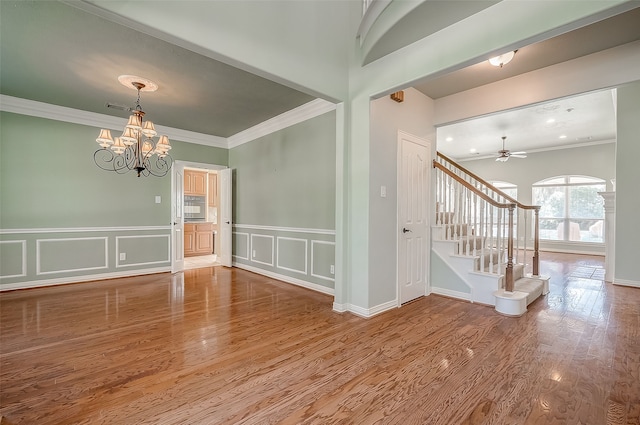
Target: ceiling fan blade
<point>502,158</point>
<point>517,155</point>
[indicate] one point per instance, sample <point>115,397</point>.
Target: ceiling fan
<point>505,154</point>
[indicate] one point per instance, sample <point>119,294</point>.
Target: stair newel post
<point>509,270</point>
<point>499,240</point>
<point>481,234</point>
<point>467,200</point>
<point>491,211</point>
<point>475,224</point>
<point>536,241</point>
<point>523,217</point>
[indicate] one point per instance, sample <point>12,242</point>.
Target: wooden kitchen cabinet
<point>195,183</point>
<point>213,190</point>
<point>198,239</point>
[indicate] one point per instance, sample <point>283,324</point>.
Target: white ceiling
<point>56,53</point>
<point>577,120</point>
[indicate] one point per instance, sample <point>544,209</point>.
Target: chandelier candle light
<point>135,148</point>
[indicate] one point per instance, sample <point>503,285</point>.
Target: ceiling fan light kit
<point>504,154</point>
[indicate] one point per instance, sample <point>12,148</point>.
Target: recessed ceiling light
<point>472,150</point>
<point>449,139</point>
<point>551,120</point>
<point>564,136</point>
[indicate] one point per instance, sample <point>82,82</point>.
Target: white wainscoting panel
<point>314,272</point>
<point>165,240</point>
<point>72,255</point>
<point>270,243</point>
<point>246,236</point>
<point>23,257</point>
<point>286,240</point>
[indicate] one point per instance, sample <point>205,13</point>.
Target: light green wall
<point>627,183</point>
<point>413,116</point>
<point>284,201</point>
<point>74,219</point>
<point>52,162</point>
<point>287,178</point>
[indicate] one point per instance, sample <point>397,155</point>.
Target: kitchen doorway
<point>201,200</point>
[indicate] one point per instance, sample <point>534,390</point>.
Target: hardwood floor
<point>226,346</point>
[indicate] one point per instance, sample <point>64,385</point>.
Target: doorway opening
<point>201,216</point>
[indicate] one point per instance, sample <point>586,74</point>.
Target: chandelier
<point>135,149</point>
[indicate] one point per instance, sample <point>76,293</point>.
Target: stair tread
<point>527,284</point>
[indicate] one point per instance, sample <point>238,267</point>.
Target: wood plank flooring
<point>226,346</point>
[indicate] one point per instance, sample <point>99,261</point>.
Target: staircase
<point>485,239</point>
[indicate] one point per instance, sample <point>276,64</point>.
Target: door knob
<point>405,230</point>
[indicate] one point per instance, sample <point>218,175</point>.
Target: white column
<point>609,234</point>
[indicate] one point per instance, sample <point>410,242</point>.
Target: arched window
<point>571,209</point>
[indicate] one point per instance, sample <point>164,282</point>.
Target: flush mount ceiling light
<point>502,59</point>
<point>134,150</point>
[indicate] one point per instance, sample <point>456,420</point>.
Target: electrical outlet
<point>332,269</point>
<point>123,256</point>
<point>158,199</point>
<point>254,253</point>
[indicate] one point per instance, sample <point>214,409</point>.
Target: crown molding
<point>33,108</point>
<point>76,116</point>
<point>302,113</point>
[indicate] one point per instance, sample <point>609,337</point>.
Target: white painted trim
<point>297,115</point>
<point>306,261</point>
<point>38,256</point>
<point>272,249</point>
<point>81,229</point>
<point>24,258</point>
<point>365,312</point>
<point>246,257</point>
<point>77,279</point>
<point>117,255</point>
<point>340,308</point>
<point>451,294</point>
<point>319,276</point>
<point>76,116</point>
<point>625,282</point>
<point>302,113</point>
<point>286,279</point>
<point>286,229</point>
<point>374,10</point>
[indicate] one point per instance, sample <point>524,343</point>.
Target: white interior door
<point>177,219</point>
<point>413,202</point>
<point>224,216</point>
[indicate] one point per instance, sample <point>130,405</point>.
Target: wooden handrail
<point>489,185</point>
<point>471,187</point>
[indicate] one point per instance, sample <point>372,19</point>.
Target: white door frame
<point>399,225</point>
<point>180,165</point>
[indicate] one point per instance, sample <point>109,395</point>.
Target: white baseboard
<point>624,282</point>
<point>288,279</point>
<point>365,312</point>
<point>77,279</point>
<point>452,294</point>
